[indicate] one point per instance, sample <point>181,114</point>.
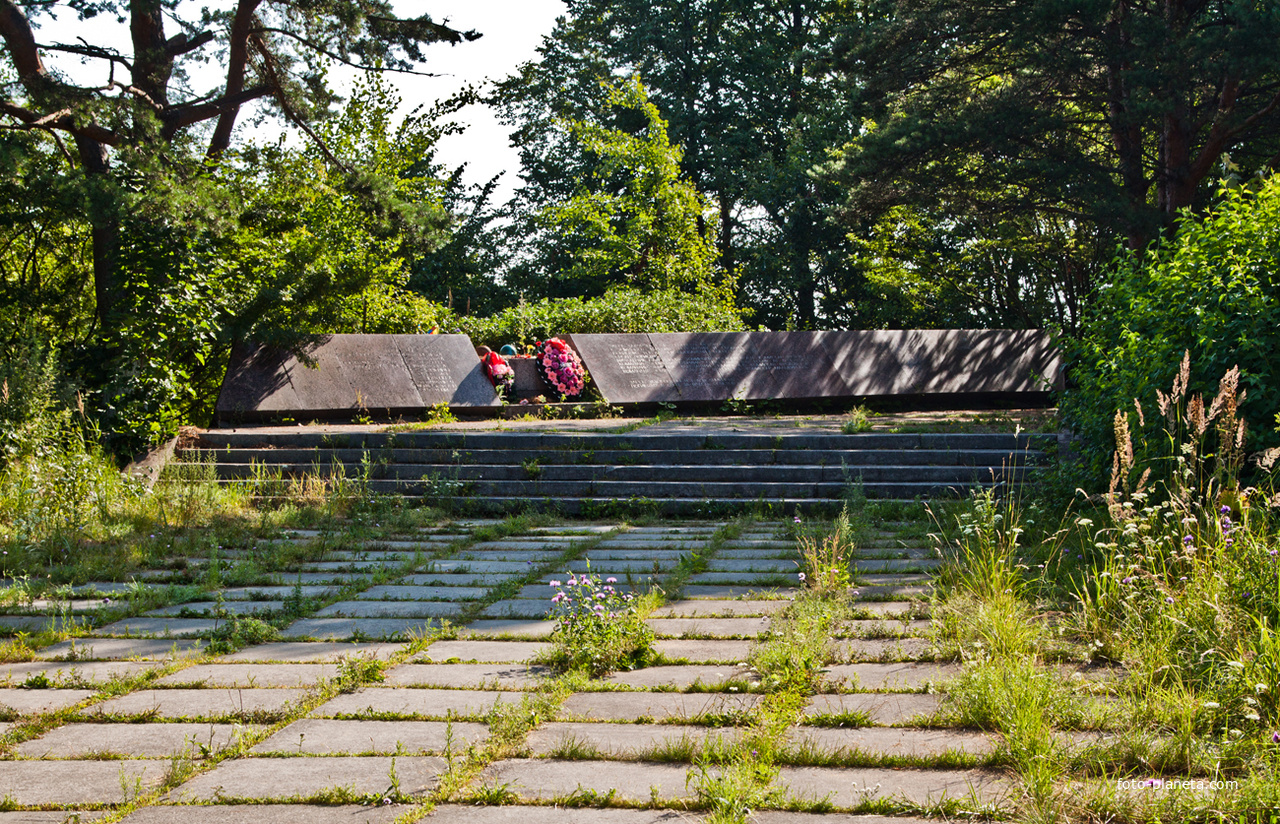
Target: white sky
<point>511,29</point>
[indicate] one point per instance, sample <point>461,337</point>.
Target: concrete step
<point>639,439</point>
<point>614,457</point>
<point>641,474</point>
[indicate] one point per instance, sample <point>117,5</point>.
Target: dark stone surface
<point>626,368</point>
<point>800,366</point>
<point>345,374</point>
<point>529,382</point>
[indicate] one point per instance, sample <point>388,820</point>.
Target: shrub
<point>598,629</point>
<point>1209,290</point>
<point>621,309</point>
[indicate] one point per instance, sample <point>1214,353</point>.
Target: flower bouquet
<point>562,367</point>
<point>500,373</point>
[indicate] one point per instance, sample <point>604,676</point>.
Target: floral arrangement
<point>562,367</point>
<point>500,373</point>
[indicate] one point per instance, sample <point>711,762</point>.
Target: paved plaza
<point>409,655</point>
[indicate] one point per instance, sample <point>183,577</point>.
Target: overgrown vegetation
<point>1160,597</point>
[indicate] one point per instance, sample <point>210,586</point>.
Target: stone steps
<point>674,472</point>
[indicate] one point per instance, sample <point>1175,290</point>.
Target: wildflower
<point>797,519</point>
<point>573,582</point>
<point>555,583</point>
<point>801,576</point>
<point>1187,539</point>
<point>1275,738</point>
<point>611,580</point>
<point>1127,580</point>
<point>1169,600</point>
<point>854,593</point>
<point>1228,541</point>
<point>1273,553</point>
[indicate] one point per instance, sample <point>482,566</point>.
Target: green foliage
<point>598,629</point>
<point>826,559</point>
<point>1211,291</point>
<point>1010,159</point>
<point>748,101</point>
<point>621,309</point>
<point>634,219</point>
<point>238,631</point>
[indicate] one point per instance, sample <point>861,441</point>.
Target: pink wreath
<point>562,368</point>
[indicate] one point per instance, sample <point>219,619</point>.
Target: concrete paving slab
<point>680,676</point>
<point>313,652</point>
<point>887,609</point>
<point>209,608</point>
<point>393,609</point>
<point>735,591</point>
<point>760,580</point>
<point>467,676</point>
<point>519,608</point>
<point>521,814</point>
<point>883,628</point>
<point>775,565</point>
<point>704,651</point>
<point>888,677</point>
<point>207,705</point>
<point>120,649</point>
<point>484,651</point>
<point>889,741</point>
<point>250,675</point>
<point>26,702</point>
<point>656,706</point>
<point>34,783</point>
<point>883,649</point>
<point>639,570</point>
<point>883,708</point>
<point>338,629</point>
<point>162,627</point>
<point>507,627</point>
<point>604,554</point>
<point>719,608</point>
<point>300,778</point>
<point>262,814</point>
<point>279,592</point>
<point>460,566</point>
<point>782,817</point>
<point>548,779</point>
<point>848,788</point>
<point>465,579</point>
<point>133,740</point>
<point>73,673</point>
<point>400,592</point>
<point>31,623</point>
<point>409,703</point>
<point>709,627</point>
<point>322,736</point>
<point>51,817</point>
<point>623,740</point>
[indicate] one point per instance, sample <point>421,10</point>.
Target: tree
<point>1113,114</point>
<point>272,50</point>
<point>738,82</point>
<point>632,219</point>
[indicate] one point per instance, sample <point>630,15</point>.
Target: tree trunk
<point>105,225</point>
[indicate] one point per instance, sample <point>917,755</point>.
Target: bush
<point>1210,290</point>
<point>598,629</point>
<point>622,309</point>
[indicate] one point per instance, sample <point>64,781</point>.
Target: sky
<point>511,29</point>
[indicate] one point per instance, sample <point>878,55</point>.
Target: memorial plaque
<point>258,378</point>
<point>625,368</point>
<point>340,375</point>
<point>712,366</point>
<point>445,369</point>
<point>800,367</point>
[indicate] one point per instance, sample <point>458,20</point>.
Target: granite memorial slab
<point>339,375</point>
<point>625,367</point>
<point>706,367</point>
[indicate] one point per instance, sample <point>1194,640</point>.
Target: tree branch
<point>319,49</point>
<point>180,117</point>
<point>237,60</point>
